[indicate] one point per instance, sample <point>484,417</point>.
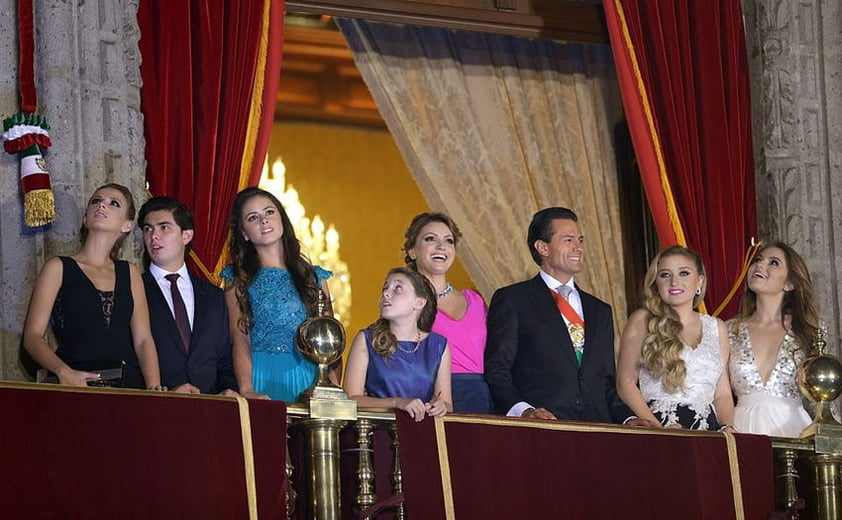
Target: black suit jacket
<point>207,366</point>
<point>529,356</point>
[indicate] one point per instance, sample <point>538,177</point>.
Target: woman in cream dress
<point>770,337</point>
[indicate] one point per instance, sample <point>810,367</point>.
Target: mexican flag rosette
<point>26,135</point>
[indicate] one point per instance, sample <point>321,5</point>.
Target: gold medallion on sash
<point>577,335</point>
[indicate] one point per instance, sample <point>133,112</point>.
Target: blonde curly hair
<point>661,351</point>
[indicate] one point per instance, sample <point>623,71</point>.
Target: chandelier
<point>319,243</point>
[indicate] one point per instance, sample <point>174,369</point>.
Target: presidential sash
<point>575,324</point>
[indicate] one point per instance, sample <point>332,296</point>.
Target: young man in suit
<point>550,347</point>
<point>189,317</point>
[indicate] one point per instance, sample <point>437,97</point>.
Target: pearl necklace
<point>415,348</point>
<point>447,290</point>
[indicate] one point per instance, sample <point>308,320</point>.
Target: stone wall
<point>88,82</point>
<point>794,56</point>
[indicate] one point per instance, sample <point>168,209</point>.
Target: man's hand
<point>538,413</point>
<point>229,393</point>
<point>186,388</point>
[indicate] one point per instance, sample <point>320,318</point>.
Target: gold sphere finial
<point>820,379</point>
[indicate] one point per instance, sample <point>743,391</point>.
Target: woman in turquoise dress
<point>271,289</point>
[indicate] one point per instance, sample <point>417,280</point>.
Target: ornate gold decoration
<point>820,379</point>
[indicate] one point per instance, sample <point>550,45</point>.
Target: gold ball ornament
<point>820,378</point>
<point>321,339</point>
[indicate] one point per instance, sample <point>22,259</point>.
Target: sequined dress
<point>773,408</point>
<point>691,407</point>
<point>277,368</point>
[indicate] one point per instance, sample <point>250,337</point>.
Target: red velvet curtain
<point>684,79</point>
<point>210,76</point>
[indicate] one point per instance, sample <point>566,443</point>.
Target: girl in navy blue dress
<point>398,362</point>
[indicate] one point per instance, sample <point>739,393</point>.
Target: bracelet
<point>722,428</point>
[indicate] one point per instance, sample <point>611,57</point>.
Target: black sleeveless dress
<point>92,325</point>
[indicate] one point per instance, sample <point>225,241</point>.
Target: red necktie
<point>180,310</point>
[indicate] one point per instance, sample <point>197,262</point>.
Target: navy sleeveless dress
<point>94,326</point>
<point>405,373</point>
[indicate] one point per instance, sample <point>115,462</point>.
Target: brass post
<point>365,466</point>
<point>323,471</point>
<point>397,478</point>
<point>789,474</point>
<point>827,485</point>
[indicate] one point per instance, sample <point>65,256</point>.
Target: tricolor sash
<point>575,324</point>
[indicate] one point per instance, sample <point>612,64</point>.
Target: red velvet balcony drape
<point>210,76</point>
<point>108,453</point>
<point>683,75</point>
<point>464,466</point>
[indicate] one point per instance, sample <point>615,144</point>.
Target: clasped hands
<point>418,409</point>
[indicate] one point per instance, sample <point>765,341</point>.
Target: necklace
<point>447,290</point>
<point>415,348</point>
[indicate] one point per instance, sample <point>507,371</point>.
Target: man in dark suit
<point>550,347</point>
<point>189,317</point>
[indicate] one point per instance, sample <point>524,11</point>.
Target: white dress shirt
<point>185,286</point>
<point>573,299</point>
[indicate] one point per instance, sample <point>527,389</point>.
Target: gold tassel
<point>39,208</point>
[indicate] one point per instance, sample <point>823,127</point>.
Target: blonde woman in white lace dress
<point>672,366</point>
<point>769,339</point>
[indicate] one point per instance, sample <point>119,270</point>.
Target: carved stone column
<point>88,83</point>
<point>794,54</point>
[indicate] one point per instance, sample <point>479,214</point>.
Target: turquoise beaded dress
<point>277,368</point>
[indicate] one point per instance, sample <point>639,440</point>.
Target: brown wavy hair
<point>799,303</point>
<point>661,351</point>
<point>415,227</point>
<point>245,262</point>
<point>117,248</point>
<point>383,341</point>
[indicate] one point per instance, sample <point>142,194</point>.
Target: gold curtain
<point>494,128</point>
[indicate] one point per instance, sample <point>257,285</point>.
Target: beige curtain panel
<point>494,128</point>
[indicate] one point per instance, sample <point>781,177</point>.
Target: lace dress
<point>93,327</point>
<point>691,407</point>
<point>277,368</point>
<point>773,408</point>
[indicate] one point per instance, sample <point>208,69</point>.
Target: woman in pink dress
<point>430,249</point>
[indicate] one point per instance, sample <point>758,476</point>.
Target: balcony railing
<point>130,454</point>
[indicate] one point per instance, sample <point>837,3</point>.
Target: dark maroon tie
<point>181,319</point>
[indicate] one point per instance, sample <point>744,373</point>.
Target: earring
<point>698,291</point>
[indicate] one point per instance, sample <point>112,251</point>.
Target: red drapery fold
<point>210,76</point>
<point>683,75</point>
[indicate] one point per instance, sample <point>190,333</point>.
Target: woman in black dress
<point>94,302</point>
